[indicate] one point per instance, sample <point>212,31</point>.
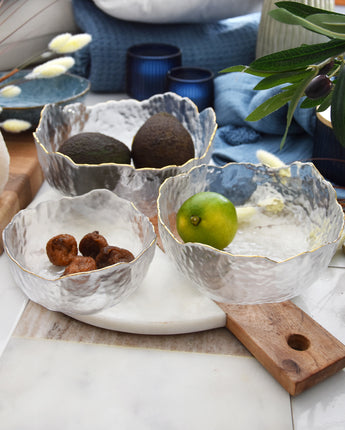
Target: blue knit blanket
<point>213,46</point>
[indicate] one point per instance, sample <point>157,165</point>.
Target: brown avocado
<point>162,141</point>
<point>95,148</point>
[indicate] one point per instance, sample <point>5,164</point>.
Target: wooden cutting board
<point>25,177</point>
<point>294,348</point>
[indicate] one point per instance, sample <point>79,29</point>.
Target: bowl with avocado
<point>127,146</point>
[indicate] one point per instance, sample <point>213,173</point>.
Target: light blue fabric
<point>238,140</point>
<point>213,46</point>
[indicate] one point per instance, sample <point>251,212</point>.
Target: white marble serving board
<point>64,385</point>
<point>165,303</point>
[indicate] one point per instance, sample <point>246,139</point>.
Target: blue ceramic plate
<point>36,93</point>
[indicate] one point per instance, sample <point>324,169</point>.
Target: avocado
<point>162,141</point>
<point>95,148</point>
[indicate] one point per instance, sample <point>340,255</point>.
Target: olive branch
<point>314,73</point>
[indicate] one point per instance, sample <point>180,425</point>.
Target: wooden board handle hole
<point>298,342</point>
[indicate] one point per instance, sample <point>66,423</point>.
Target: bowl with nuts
<point>80,255</point>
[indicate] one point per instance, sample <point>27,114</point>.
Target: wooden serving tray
<point>25,177</point>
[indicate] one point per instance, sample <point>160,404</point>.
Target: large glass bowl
<point>119,119</point>
<point>287,235</point>
<point>26,236</point>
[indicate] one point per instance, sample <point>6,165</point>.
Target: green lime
<point>208,218</point>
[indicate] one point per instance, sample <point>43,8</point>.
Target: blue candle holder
<point>147,66</point>
<point>193,82</point>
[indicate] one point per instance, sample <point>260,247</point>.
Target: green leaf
<point>334,23</point>
<point>309,103</point>
<point>298,58</point>
<point>286,17</point>
<point>245,69</point>
<point>281,78</point>
<point>298,93</point>
<point>302,10</point>
<point>239,68</point>
<point>270,105</point>
<point>326,102</point>
<point>338,107</point>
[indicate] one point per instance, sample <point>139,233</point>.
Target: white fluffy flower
<point>67,43</point>
<point>59,41</point>
<point>52,68</point>
<point>271,160</point>
<point>46,70</point>
<point>66,62</point>
<point>15,125</point>
<point>10,91</point>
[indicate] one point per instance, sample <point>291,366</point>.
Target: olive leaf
<point>298,58</point>
<point>338,107</point>
<point>281,78</point>
<point>326,103</point>
<point>302,10</point>
<point>271,105</point>
<point>311,103</point>
<point>245,69</point>
<point>330,22</point>
<point>298,93</point>
<point>286,17</point>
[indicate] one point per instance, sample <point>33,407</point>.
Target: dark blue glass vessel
<point>193,82</point>
<point>147,67</point>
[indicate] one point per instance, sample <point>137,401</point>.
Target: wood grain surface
<point>25,177</point>
<point>293,347</point>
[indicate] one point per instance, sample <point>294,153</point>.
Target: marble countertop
<point>57,372</point>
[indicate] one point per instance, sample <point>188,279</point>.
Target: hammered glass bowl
<point>289,229</point>
<point>119,119</point>
<point>26,236</point>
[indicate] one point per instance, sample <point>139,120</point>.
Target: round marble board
<point>165,303</point>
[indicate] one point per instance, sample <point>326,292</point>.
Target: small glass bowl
<point>26,236</point>
<point>278,252</point>
<point>121,120</point>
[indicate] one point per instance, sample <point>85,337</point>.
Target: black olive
<point>319,87</point>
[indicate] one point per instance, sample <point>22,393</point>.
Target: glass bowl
<point>119,119</point>
<point>289,229</point>
<point>26,236</point>
<point>36,93</point>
